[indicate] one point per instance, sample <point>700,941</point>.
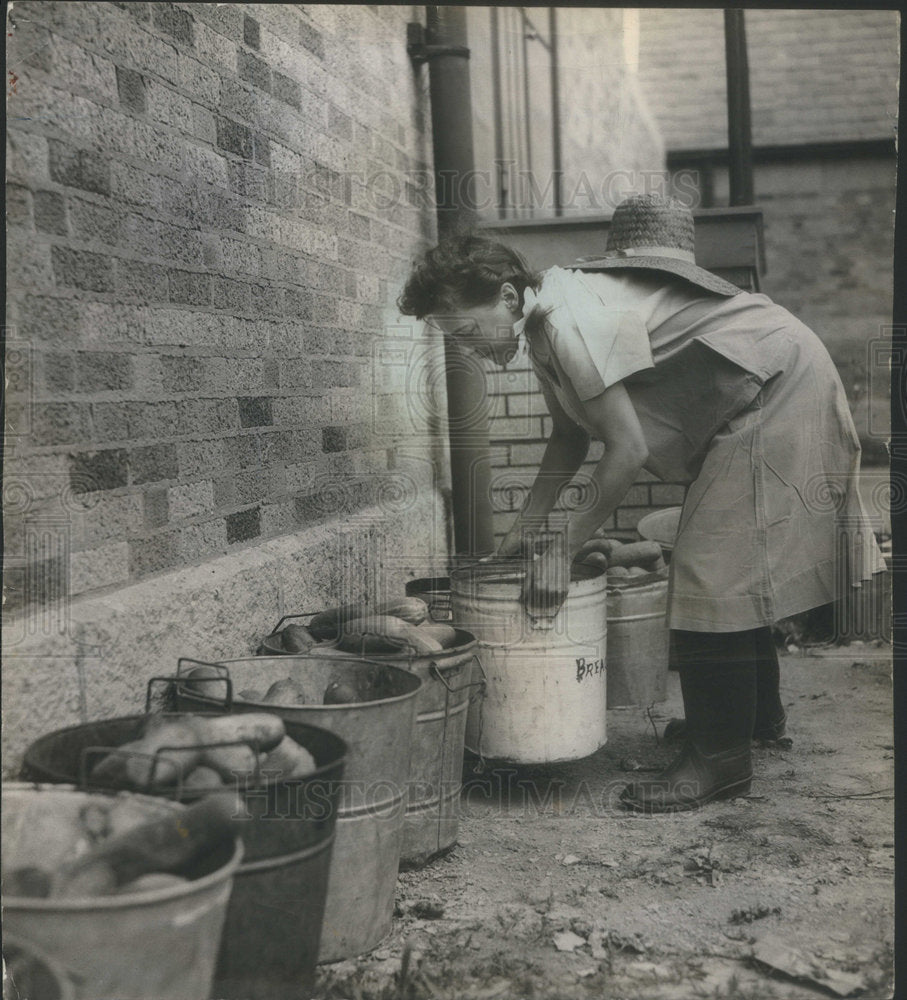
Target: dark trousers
<point>730,683</point>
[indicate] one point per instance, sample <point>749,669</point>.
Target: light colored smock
<point>738,400</point>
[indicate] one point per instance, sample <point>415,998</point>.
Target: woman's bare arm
<point>565,451</point>
<point>613,418</point>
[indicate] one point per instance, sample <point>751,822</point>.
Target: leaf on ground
<point>568,941</point>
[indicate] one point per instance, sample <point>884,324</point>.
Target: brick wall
<point>197,282</point>
<point>829,244</point>
<point>520,427</point>
<point>211,208</point>
<point>815,75</point>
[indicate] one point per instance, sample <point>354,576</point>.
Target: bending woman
<point>683,374</point>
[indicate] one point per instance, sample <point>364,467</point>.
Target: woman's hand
<point>514,544</point>
<point>546,583</point>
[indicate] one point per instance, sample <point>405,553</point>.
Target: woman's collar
<point>530,301</point>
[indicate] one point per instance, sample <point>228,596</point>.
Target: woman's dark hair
<point>463,271</point>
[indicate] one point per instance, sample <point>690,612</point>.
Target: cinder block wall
<point>211,208</point>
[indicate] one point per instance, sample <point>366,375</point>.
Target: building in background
<point>823,87</point>
<point>215,414</point>
<point>602,145</point>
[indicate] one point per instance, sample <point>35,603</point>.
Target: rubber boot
<point>771,719</point>
<point>718,681</point>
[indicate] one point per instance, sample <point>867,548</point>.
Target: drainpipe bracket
<point>419,51</point>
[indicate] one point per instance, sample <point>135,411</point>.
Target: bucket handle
<point>286,618</point>
<point>172,681</point>
<point>444,615</point>
<point>435,670</point>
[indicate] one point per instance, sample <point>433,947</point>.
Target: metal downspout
<point>557,166</point>
<point>467,395</point>
<point>739,127</point>
<point>497,108</point>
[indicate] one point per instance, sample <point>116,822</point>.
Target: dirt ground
<point>555,892</point>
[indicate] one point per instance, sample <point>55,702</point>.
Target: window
<point>514,88</point>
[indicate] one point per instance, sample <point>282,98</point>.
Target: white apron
<point>741,401</point>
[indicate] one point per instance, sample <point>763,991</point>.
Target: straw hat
<point>655,232</point>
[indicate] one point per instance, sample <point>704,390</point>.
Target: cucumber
<point>288,760</point>
<point>603,545</point>
<point>385,634</point>
<point>340,693</point>
<point>646,554</point>
<point>232,763</point>
<point>284,692</point>
<point>261,728</point>
<point>444,634</point>
<point>326,624</point>
<point>168,844</point>
<point>207,679</point>
<point>296,639</point>
<point>598,559</point>
<point>202,779</point>
<point>410,609</point>
<point>169,765</point>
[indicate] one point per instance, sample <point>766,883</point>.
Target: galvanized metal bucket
<point>435,591</point>
<point>34,972</point>
<point>448,684</point>
<point>637,644</point>
<point>360,898</point>
<point>273,925</point>
<point>161,943</point>
<point>661,526</point>
<point>545,698</point>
